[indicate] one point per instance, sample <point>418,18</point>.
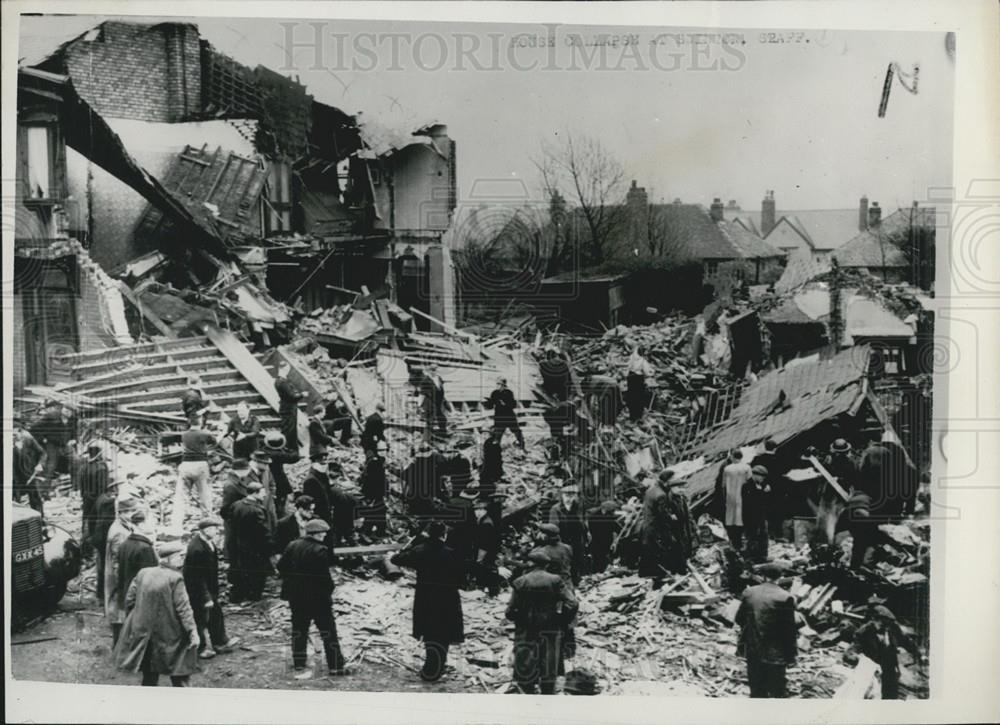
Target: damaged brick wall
<point>145,72</point>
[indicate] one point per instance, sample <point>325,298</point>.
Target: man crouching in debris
<point>540,606</point>
<point>160,636</point>
<point>437,606</point>
<point>768,637</point>
<point>308,588</point>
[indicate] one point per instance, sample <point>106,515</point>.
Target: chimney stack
<point>863,214</point>
<point>874,214</point>
<point>636,196</point>
<point>716,210</point>
<point>767,214</point>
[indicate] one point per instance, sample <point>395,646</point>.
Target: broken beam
<point>829,478</point>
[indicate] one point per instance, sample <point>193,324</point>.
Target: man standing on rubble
<point>91,479</point>
<point>307,586</point>
<point>28,467</point>
<point>560,557</point>
<point>117,533</point>
<point>319,439</point>
<point>557,380</point>
<point>756,507</point>
<point>857,518</point>
<point>260,471</point>
<point>374,429</point>
<point>888,477</point>
<point>338,419</point>
<point>437,606</point>
<point>778,503</point>
<point>423,489</point>
<point>567,515</point>
<point>375,490</point>
<point>234,490</point>
<point>734,476</point>
<point>244,429</point>
<point>540,606</point>
<point>487,544</point>
<point>433,403</point>
<point>504,404</point>
<point>250,563</point>
<point>193,472</point>
<point>193,401</point>
<point>637,395</point>
<point>274,447</point>
<point>316,485</point>
<point>201,581</point>
<point>668,531</point>
<point>603,524</point>
<point>768,638</point>
<point>288,405</point>
<point>343,505</point>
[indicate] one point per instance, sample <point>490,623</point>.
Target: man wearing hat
<point>491,469</point>
<point>117,533</point>
<point>308,588</point>
<point>437,606</point>
<point>879,639</point>
<point>504,404</point>
<point>288,405</point>
<point>540,606</point>
<point>250,560</point>
<point>136,553</point>
<point>293,526</point>
<point>201,581</point>
<point>461,517</point>
<point>234,490</point>
<point>602,521</point>
<point>28,467</point>
<point>375,489</point>
<point>841,465</point>
<point>567,515</point>
<point>560,558</point>
<point>274,446</point>
<point>374,429</point>
<point>756,509</point>
<point>343,505</point>
<point>423,488</point>
<point>159,636</point>
<point>104,517</point>
<point>337,419</point>
<point>316,485</point>
<point>768,638</point>
<point>486,539</point>
<point>433,403</point>
<point>91,479</point>
<point>260,471</point>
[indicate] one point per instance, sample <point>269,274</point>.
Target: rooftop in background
<point>821,228</point>
<point>870,248</point>
<point>864,317</point>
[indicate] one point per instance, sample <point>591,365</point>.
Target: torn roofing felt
<point>217,188</point>
<point>86,132</point>
<point>793,400</point>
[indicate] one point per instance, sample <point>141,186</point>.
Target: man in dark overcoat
<point>768,638</point>
<point>201,579</point>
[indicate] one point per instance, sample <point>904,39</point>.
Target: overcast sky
<point>797,117</point>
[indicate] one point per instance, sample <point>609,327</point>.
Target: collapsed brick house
<point>145,154</point>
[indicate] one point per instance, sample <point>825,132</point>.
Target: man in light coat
<point>159,636</point>
<point>120,530</point>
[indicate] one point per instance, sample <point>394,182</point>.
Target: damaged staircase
<point>150,378</point>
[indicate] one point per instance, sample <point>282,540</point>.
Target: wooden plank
<point>829,478</point>
<point>370,549</point>
<point>701,582</point>
<point>860,685</point>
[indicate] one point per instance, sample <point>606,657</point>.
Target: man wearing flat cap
<point>159,636</point>
<point>437,606</point>
<point>540,606</point>
<point>250,563</point>
<point>768,638</point>
<point>307,586</point>
<point>234,490</point>
<point>756,512</point>
<point>668,533</point>
<point>567,514</point>
<point>260,471</point>
<point>117,533</point>
<point>201,580</point>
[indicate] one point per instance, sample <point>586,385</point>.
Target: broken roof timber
<point>88,133</point>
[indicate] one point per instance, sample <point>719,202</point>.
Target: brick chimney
<point>636,196</point>
<point>716,211</point>
<point>874,214</point>
<point>863,214</point>
<point>767,214</point>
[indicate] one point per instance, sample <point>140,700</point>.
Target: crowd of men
<point>163,601</point>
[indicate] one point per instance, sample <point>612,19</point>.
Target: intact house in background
<point>201,174</point>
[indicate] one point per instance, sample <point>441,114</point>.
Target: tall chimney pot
<point>717,210</point>
<point>767,214</point>
<point>874,214</point>
<point>863,214</point>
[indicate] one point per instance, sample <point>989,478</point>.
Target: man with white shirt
<point>637,395</point>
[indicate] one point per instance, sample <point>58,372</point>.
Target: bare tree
<point>584,172</point>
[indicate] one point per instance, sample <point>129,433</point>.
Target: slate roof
<point>695,234</point>
<point>812,392</point>
<point>821,228</point>
<point>748,244</point>
<point>866,249</point>
<point>863,316</point>
<point>801,268</point>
